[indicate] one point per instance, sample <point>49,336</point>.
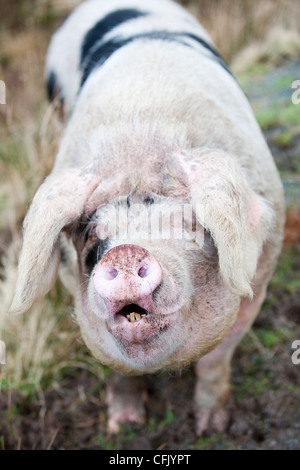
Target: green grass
<point>206,443</point>
<point>5,60</point>
<point>251,386</point>
<point>12,153</point>
<point>282,82</point>
<point>284,139</point>
<point>271,338</point>
<point>3,202</point>
<point>168,419</point>
<point>105,443</point>
<point>287,274</point>
<point>277,114</point>
<point>273,112</point>
<point>48,18</point>
<point>255,72</point>
<point>153,423</point>
<point>267,118</point>
<point>4,384</point>
<point>290,114</point>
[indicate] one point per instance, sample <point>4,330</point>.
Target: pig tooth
<point>131,317</point>
<point>143,315</point>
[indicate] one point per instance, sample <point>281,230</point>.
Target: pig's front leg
<point>212,391</point>
<point>126,397</point>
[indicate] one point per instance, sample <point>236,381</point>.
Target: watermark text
<point>2,352</point>
<point>296,94</point>
<point>296,354</point>
<point>2,92</point>
<point>157,222</point>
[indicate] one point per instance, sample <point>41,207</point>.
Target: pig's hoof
<point>126,415</point>
<point>126,399</point>
<point>211,420</point>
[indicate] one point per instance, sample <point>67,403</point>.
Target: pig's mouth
<point>133,325</point>
<point>133,313</point>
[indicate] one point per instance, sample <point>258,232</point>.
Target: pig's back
<point>119,62</point>
<point>98,29</point>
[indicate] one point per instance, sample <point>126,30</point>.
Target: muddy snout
<point>127,274</point>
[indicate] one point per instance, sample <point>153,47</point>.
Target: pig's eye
<point>92,239</point>
<point>93,246</point>
<point>89,233</point>
<point>94,253</point>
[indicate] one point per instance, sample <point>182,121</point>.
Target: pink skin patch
<point>256,211</point>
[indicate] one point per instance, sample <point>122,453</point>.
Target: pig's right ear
<point>59,201</point>
<point>238,219</point>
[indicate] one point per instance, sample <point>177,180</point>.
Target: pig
<point>155,124</point>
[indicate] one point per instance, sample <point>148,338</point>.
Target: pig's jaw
<point>133,326</point>
<point>157,341</point>
<point>132,347</point>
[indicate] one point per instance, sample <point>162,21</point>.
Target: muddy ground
<point>265,404</point>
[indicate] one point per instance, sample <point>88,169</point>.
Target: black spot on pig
<point>51,84</point>
<point>53,88</point>
<point>104,26</point>
<point>210,48</point>
<point>102,50</point>
<point>99,55</point>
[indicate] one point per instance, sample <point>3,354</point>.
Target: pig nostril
<point>143,272</point>
<point>108,273</point>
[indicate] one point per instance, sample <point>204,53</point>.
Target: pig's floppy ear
<point>59,201</point>
<point>238,219</point>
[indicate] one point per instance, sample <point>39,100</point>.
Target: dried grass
<point>235,24</point>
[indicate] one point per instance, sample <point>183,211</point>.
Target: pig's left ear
<point>238,219</point>
<point>59,201</point>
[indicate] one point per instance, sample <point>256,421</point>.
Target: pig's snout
<point>127,274</point>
